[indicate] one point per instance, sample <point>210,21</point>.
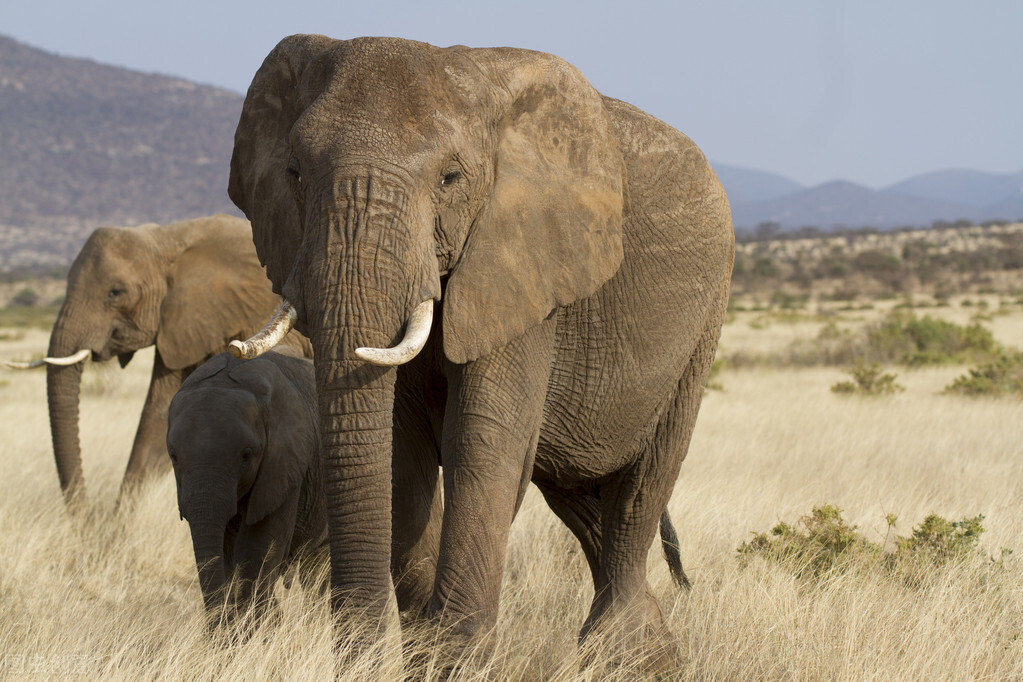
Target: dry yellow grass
<point>116,596</point>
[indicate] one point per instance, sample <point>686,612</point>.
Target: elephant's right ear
<point>258,185</point>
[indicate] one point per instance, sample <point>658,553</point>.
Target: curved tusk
<point>269,336</point>
<point>62,362</point>
<point>417,331</point>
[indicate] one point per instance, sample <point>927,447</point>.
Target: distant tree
<point>26,298</point>
<point>808,232</point>
<point>767,230</point>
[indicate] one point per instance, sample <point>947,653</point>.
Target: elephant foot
<point>634,638</point>
<point>433,650</point>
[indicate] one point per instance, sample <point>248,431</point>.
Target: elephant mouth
<point>417,331</point>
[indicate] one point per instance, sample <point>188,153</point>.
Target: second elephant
<point>187,288</point>
<point>243,437</point>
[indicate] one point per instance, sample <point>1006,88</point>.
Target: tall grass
<point>114,594</point>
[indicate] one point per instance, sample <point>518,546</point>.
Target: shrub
<point>25,298</point>
<point>868,379</point>
<point>787,301</point>
<point>826,543</point>
<point>908,340</point>
<point>1002,376</point>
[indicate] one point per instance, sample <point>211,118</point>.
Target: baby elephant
<point>243,436</point>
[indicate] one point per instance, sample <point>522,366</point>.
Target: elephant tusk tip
<point>370,355</point>
<point>14,364</point>
<point>239,349</point>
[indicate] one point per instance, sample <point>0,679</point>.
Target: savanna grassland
<point>114,594</point>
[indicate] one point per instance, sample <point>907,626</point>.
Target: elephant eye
<point>116,292</point>
<point>450,177</point>
<point>246,454</point>
<point>294,170</point>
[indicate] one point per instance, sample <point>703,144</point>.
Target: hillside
<point>86,144</point>
<point>945,196</point>
<point>867,264</point>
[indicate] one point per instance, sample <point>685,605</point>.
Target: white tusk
<point>269,336</point>
<point>62,362</point>
<point>417,331</point>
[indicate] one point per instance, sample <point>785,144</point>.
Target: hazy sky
<point>872,91</point>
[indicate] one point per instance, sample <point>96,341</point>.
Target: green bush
<point>25,298</point>
<point>825,543</point>
<point>868,379</point>
<point>906,339</point>
<point>1000,377</point>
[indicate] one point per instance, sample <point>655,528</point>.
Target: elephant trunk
<point>208,511</point>
<point>356,404</point>
<point>354,296</point>
<point>208,545</point>
<point>62,392</point>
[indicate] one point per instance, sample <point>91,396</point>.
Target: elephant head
<point>382,175</point>
<point>187,288</point>
<point>242,437</point>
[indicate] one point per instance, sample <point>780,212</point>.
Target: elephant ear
<point>551,232</point>
<point>258,184</point>
<point>216,292</point>
<point>292,440</point>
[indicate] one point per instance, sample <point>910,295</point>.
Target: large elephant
<point>243,437</point>
<point>188,287</point>
<point>580,250</point>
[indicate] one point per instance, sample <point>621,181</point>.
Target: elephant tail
<point>669,543</point>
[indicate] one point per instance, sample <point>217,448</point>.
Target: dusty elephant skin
<point>580,251</point>
<point>188,288</point>
<point>243,437</point>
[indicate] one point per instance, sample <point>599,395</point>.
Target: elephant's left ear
<point>551,232</point>
<point>217,291</point>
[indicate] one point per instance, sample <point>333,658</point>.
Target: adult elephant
<point>188,288</point>
<point>581,251</point>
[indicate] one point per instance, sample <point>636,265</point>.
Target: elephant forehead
<point>382,91</point>
<point>112,251</point>
<point>214,413</point>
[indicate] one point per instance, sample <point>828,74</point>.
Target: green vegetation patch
<point>905,339</point>
<point>900,338</point>
<point>29,317</point>
<point>868,379</point>
<point>1002,376</point>
<point>823,544</point>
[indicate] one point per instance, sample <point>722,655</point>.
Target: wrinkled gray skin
<point>580,251</point>
<point>188,288</point>
<point>244,440</point>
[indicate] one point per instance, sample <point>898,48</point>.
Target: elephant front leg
<point>259,553</point>
<point>149,451</point>
<point>491,427</point>
<point>416,506</point>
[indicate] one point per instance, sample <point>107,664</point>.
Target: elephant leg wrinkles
<point>631,507</point>
<point>491,428</point>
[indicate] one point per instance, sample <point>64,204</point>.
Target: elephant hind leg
<point>580,511</point>
<point>632,507</point>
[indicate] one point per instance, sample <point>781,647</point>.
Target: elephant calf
<point>243,437</point>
